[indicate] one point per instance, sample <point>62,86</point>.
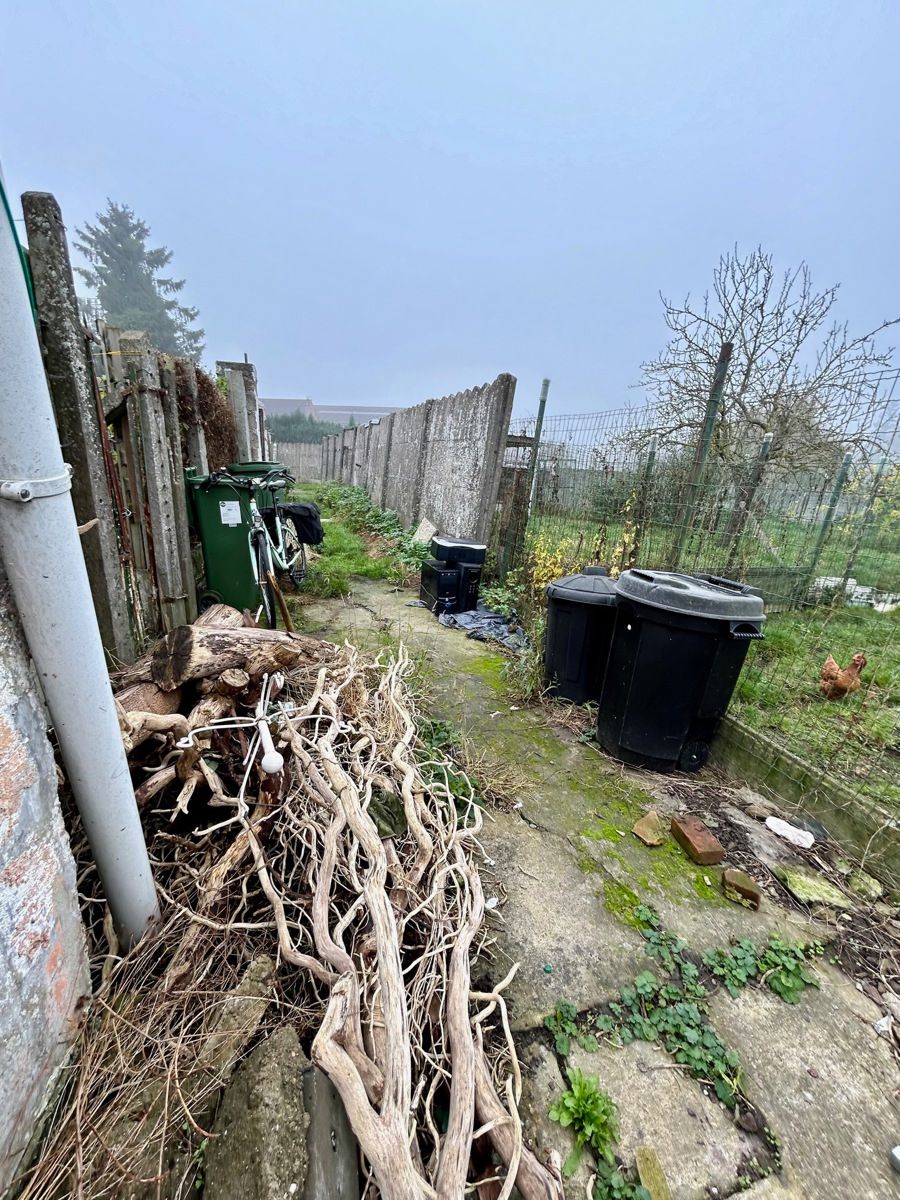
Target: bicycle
<point>272,542</point>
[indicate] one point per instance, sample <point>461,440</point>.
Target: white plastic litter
<point>797,837</point>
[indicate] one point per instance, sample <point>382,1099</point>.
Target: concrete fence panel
<point>303,459</point>
<point>463,458</point>
<point>405,461</point>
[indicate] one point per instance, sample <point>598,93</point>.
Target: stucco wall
<point>43,963</point>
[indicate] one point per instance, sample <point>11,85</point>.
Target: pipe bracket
<point>20,491</point>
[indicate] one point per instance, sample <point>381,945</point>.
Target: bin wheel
<point>207,600</point>
<point>693,756</point>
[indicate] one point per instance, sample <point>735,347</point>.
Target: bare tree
<point>796,372</point>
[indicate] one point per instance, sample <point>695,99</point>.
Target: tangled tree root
<point>372,932</point>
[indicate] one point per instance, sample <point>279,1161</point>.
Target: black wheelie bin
<point>677,649</point>
<point>581,612</point>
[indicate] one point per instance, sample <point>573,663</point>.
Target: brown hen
<point>838,682</point>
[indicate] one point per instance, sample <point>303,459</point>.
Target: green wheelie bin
<point>221,518</point>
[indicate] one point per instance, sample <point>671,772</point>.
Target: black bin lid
<point>583,589</point>
<point>719,599</point>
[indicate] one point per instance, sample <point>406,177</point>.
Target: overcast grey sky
<point>390,200</point>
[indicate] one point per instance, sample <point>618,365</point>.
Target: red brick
<point>697,841</point>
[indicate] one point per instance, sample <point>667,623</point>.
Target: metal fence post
<point>825,528</point>
<point>864,524</point>
<point>685,514</point>
<point>745,500</point>
<point>514,534</point>
<point>643,502</point>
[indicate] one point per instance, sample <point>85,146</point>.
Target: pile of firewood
<point>355,867</point>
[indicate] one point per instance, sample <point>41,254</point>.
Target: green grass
<point>360,540</point>
<point>857,738</point>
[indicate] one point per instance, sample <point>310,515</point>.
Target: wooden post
<point>141,368</point>
<point>169,400</point>
<point>195,437</point>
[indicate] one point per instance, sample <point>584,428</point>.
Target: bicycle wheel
<point>266,591</point>
<point>292,547</point>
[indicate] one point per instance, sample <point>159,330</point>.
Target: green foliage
<point>563,1024</point>
<point>735,967</point>
<point>131,292</point>
<point>439,744</point>
<point>784,968</point>
<point>344,553</point>
<point>298,426</point>
<point>523,673</point>
<point>502,598</point>
<point>612,1184</point>
<point>357,511</point>
<point>781,964</point>
<point>591,1114</point>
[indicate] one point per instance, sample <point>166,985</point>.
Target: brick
<point>737,885</point>
<point>697,841</point>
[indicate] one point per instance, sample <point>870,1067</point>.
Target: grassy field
<point>857,738</point>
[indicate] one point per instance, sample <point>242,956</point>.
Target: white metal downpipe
<point>42,555</point>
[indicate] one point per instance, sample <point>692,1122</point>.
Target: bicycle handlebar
<point>272,479</point>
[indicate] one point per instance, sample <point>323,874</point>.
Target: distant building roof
<point>281,407</point>
<point>361,413</point>
<point>340,414</point>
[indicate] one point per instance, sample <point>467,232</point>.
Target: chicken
<point>837,682</point>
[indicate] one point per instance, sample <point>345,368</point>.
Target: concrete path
<point>569,871</point>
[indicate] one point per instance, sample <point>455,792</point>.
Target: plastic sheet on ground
<point>486,626</point>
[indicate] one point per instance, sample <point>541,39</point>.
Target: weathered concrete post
<point>70,376</point>
<point>237,398</point>
<point>169,399</point>
<point>140,366</point>
<point>247,372</point>
<point>195,437</point>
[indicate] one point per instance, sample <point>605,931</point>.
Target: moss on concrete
<point>621,901</point>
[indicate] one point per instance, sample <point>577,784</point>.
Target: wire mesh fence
<point>819,536</point>
<point>608,488</point>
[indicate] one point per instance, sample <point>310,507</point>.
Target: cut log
<point>196,652</point>
<point>232,682</point>
<point>147,697</point>
<point>223,616</point>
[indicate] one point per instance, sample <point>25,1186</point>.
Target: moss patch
<point>621,901</point>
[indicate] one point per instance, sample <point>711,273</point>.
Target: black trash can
<point>677,649</point>
<point>581,612</point>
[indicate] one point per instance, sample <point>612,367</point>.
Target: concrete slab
<point>542,1086</point>
<point>699,1146</point>
<point>259,1148</point>
<point>553,917</point>
<point>825,1081</point>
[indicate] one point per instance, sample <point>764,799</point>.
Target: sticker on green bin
<point>230,512</point>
